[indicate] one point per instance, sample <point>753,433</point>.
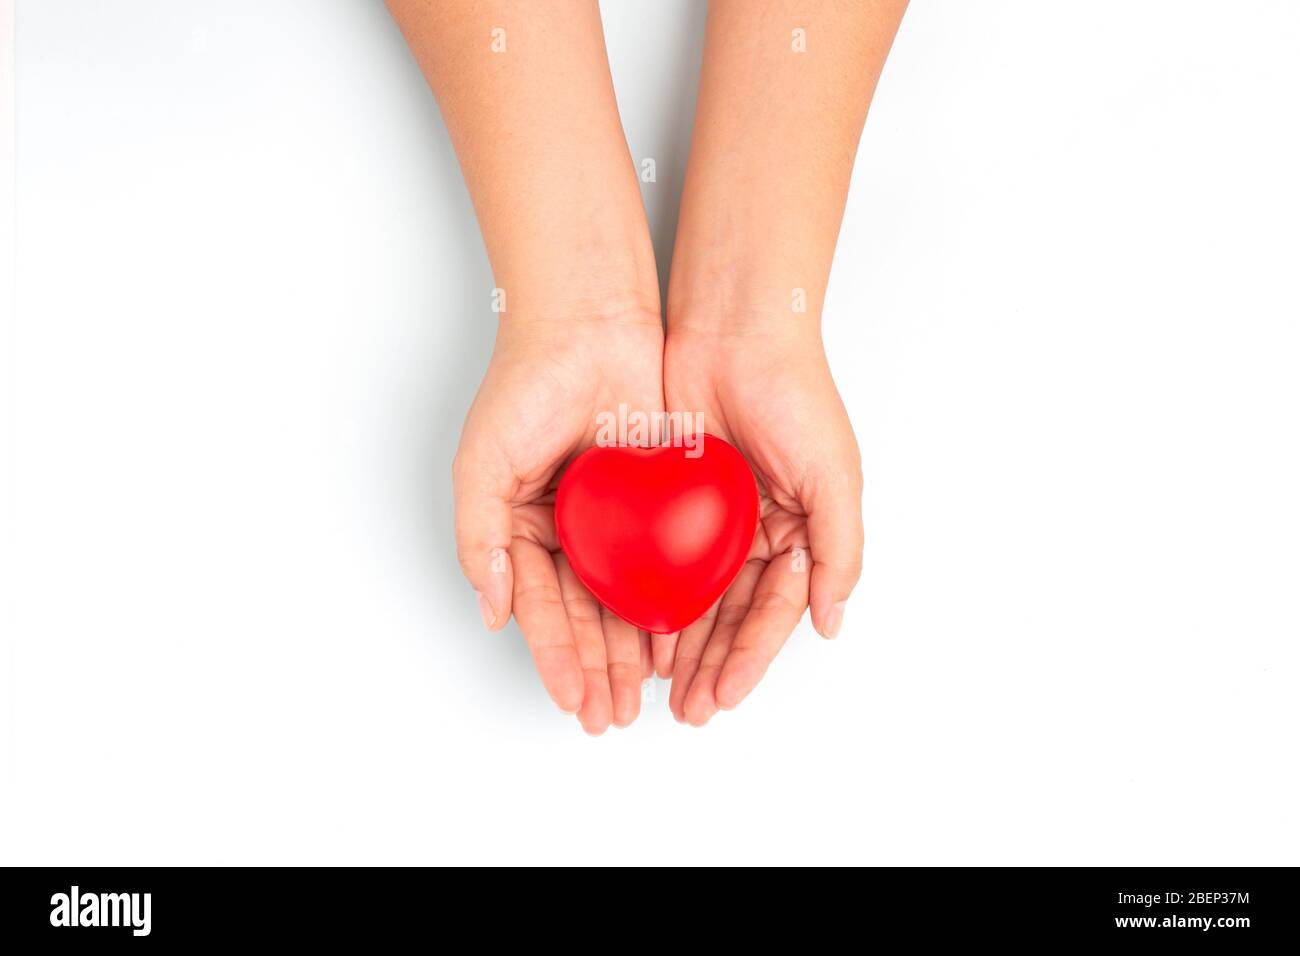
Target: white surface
<point>252,308</point>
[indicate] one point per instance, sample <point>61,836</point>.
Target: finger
<point>835,541</point>
<point>779,601</point>
<point>539,608</point>
<point>701,700</point>
<point>647,656</point>
<point>690,648</point>
<point>663,649</point>
<point>482,489</point>
<point>589,640</point>
<point>623,650</point>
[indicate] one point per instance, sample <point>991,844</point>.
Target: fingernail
<point>833,621</point>
<point>485,608</point>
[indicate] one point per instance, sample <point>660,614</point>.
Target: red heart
<point>656,534</point>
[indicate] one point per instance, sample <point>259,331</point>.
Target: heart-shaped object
<point>658,534</point>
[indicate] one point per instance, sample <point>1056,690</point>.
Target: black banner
<point>146,907</point>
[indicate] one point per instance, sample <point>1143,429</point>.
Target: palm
<point>776,402</point>
<point>537,409</point>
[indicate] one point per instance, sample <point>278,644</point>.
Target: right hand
<point>536,409</point>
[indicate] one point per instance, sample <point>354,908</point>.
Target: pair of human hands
<point>763,386</point>
<point>530,106</point>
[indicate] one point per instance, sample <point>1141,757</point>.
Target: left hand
<point>769,392</point>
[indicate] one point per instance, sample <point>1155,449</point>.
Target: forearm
<point>776,132</point>
<point>532,115</point>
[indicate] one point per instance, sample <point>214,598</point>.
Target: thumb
<point>483,530</point>
<point>835,541</point>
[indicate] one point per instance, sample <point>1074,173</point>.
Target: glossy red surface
<point>655,535</point>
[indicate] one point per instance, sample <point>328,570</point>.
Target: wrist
<point>593,277</point>
<point>719,290</point>
<point>529,307</point>
<point>606,320</point>
<point>726,308</point>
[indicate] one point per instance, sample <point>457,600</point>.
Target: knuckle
<point>851,569</point>
<point>774,601</point>
<point>583,610</point>
<point>468,559</point>
<point>539,597</point>
<point>730,614</point>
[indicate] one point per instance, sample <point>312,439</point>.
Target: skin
<point>536,409</point>
<point>776,132</point>
<point>541,146</point>
<point>535,127</point>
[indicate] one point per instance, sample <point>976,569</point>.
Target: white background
<point>252,307</point>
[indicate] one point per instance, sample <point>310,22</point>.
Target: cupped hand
<point>769,392</point>
<point>537,408</point>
